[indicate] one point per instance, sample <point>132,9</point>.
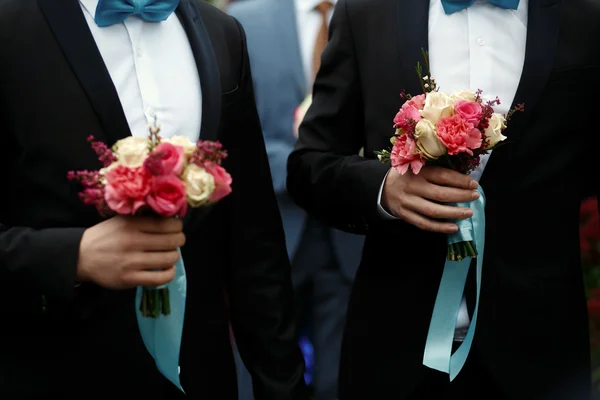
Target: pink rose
<point>405,115</point>
<point>126,189</point>
<point>417,102</point>
<point>222,181</point>
<point>167,197</point>
<point>404,154</point>
<point>458,135</point>
<point>469,110</point>
<point>166,159</point>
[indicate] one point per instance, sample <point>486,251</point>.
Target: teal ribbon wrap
<point>162,335</point>
<point>438,347</point>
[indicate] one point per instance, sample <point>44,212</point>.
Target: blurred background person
<point>285,39</point>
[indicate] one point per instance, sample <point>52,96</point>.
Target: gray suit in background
<point>324,257</point>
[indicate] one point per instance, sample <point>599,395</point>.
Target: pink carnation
<point>469,110</point>
<point>404,154</point>
<point>458,135</point>
<point>126,189</point>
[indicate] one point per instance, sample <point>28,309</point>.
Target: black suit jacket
<point>532,330</point>
<point>55,91</point>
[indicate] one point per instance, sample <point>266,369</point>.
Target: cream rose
<point>428,143</point>
<point>437,106</point>
<point>199,185</point>
<point>467,95</point>
<point>188,146</point>
<point>493,132</point>
<point>131,151</point>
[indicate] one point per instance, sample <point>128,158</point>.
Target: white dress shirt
<point>308,21</point>
<point>154,72</point>
<point>480,47</point>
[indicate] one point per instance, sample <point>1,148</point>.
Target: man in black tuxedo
<point>531,340</point>
<point>67,278</point>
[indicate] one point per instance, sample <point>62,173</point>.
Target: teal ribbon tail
<point>162,336</point>
<point>438,347</point>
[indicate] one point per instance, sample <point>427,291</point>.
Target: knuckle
<point>128,242</point>
<point>442,195</point>
<point>432,211</point>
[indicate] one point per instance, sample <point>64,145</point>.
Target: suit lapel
<point>72,33</point>
<point>543,28</point>
<point>284,15</point>
<point>413,19</point>
<point>208,69</point>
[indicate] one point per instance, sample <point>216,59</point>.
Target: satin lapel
<point>543,27</point>
<point>72,33</point>
<point>208,69</point>
<point>284,14</point>
<point>413,19</point>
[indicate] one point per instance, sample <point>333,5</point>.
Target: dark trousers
<point>322,298</point>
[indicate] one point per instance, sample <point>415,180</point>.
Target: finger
<point>155,241</point>
<point>427,224</point>
<point>438,211</point>
<point>444,194</point>
<point>158,225</point>
<point>149,261</point>
<point>149,278</point>
<point>448,177</point>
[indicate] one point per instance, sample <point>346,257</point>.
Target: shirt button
<point>139,52</point>
<point>480,41</point>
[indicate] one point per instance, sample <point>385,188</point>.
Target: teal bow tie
<point>110,12</point>
<point>452,6</point>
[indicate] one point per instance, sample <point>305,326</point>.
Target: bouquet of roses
<point>449,130</point>
<point>154,175</point>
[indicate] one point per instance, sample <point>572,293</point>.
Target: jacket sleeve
<point>325,175</point>
<point>259,280</point>
<point>45,260</point>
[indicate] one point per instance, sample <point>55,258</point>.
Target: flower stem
<point>471,250</point>
<point>166,301</point>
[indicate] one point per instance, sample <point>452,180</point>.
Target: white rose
<point>131,151</point>
<point>467,95</point>
<point>497,123</point>
<point>182,141</point>
<point>437,106</point>
<point>427,140</point>
<point>199,185</point>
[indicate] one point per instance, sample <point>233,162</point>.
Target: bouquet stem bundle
<point>155,302</point>
<point>461,250</point>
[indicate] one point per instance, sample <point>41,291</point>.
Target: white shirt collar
<point>309,5</point>
<point>90,6</point>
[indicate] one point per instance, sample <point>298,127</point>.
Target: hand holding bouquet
<point>447,130</point>
<point>154,176</point>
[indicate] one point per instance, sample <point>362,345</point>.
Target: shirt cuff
<point>382,212</point>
